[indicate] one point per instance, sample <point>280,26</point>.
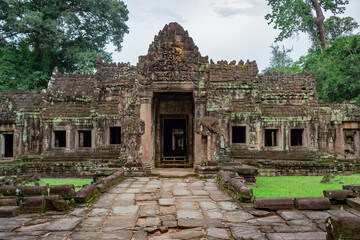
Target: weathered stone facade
<point>175,108</point>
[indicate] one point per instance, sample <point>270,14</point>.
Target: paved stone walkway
<point>169,208</point>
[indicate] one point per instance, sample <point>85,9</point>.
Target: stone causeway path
<point>169,208</point>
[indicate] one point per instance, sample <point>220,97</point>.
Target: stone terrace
<point>170,208</point>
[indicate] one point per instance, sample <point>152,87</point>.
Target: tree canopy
<point>280,60</point>
<point>37,35</point>
<point>336,70</point>
<point>292,17</point>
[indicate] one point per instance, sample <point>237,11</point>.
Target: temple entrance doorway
<point>173,129</point>
<point>7,145</point>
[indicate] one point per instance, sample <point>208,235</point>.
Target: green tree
<point>280,60</point>
<point>337,27</point>
<point>36,36</point>
<point>294,16</point>
<point>336,70</point>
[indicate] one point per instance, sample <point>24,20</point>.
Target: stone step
<point>353,202</point>
<point>9,211</point>
<point>173,172</point>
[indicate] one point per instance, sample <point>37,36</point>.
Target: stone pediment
<point>172,57</point>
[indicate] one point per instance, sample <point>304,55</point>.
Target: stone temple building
<point>176,109</point>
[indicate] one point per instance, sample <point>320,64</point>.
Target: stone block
<point>225,176</point>
<point>8,190</point>
<point>242,192</point>
<point>353,202</point>
<point>355,188</point>
<point>101,188</point>
<point>66,191</point>
<point>312,203</point>
<point>8,202</point>
<point>55,202</point>
<point>338,195</point>
<point>343,228</point>
<point>285,203</point>
<point>25,191</point>
<point>33,205</point>
<point>84,194</point>
<point>9,211</point>
<point>29,191</point>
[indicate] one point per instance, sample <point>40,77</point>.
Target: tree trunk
<point>320,23</point>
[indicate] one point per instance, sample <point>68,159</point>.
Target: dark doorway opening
<point>271,138</point>
<point>84,138</point>
<point>174,137</point>
<point>238,134</point>
<point>9,145</point>
<point>115,135</point>
<point>297,137</point>
<point>60,138</point>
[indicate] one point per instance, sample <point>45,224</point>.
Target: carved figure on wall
<point>253,139</point>
<point>133,129</point>
<point>349,142</point>
<point>312,140</point>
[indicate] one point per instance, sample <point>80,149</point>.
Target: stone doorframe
<point>147,114</point>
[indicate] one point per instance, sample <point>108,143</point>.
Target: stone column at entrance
<point>145,115</point>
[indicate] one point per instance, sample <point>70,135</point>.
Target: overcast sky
<point>222,29</point>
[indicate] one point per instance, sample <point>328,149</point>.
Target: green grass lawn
<point>78,182</point>
<point>299,186</point>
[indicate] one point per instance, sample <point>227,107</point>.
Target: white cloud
<point>222,29</point>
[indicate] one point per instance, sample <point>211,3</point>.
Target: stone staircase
<point>174,162</point>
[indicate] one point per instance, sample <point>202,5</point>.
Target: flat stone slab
<point>228,206</point>
<point>125,210</point>
<point>297,236</point>
<point>166,201</point>
<point>190,223</point>
<point>187,206</point>
<point>291,215</point>
<point>247,232</point>
<point>205,206</point>
<point>96,212</point>
<point>238,216</point>
<point>115,223</point>
<point>218,233</point>
<point>148,222</point>
<point>181,192</point>
<point>92,223</point>
<point>120,235</point>
<point>64,224</point>
<point>188,214</point>
<point>148,210</point>
<point>189,234</point>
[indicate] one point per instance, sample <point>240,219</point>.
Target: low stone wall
<point>54,169</point>
<point>37,199</point>
<point>305,168</point>
<point>102,184</point>
<point>235,184</point>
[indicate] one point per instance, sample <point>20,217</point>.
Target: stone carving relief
<point>133,129</point>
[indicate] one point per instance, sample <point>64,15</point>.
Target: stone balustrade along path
<point>169,208</point>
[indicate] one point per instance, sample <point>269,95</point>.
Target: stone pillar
<point>209,148</point>
<point>339,139</point>
<point>46,138</point>
<point>146,139</point>
<point>199,111</point>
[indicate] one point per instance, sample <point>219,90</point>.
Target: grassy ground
<point>78,182</point>
<point>299,186</point>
